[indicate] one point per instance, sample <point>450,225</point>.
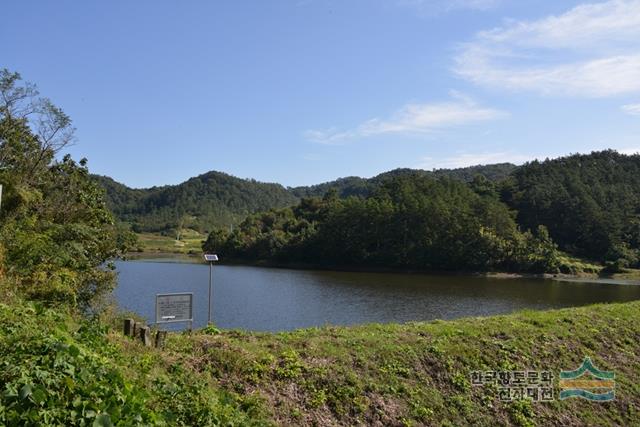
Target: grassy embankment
<point>412,374</point>
<point>573,266</point>
<point>190,242</point>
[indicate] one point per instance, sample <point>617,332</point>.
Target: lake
<point>270,299</point>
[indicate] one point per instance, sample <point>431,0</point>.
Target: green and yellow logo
<point>587,382</point>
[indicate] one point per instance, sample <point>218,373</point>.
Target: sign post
<point>210,258</point>
<point>172,308</point>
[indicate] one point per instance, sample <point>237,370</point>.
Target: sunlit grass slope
<point>419,373</point>
<point>60,371</point>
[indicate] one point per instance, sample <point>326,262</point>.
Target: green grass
<point>628,274</point>
<point>57,370</point>
<point>572,265</point>
<point>190,242</point>
<point>419,373</point>
<point>580,267</point>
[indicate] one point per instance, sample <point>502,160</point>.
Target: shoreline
<point>631,277</point>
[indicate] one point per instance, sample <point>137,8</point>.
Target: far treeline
<point>531,220</point>
<point>216,199</point>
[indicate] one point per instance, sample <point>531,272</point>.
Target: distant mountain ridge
<point>216,199</point>
<point>355,186</point>
<point>210,199</point>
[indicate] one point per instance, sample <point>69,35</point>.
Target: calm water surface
<point>265,299</point>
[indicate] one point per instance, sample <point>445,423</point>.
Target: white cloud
<point>629,151</point>
<point>449,5</point>
<point>472,159</point>
<point>465,159</point>
<point>592,50</point>
<point>414,119</point>
<point>632,109</point>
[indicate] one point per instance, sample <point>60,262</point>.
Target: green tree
<point>589,203</point>
<point>56,230</point>
<point>411,222</point>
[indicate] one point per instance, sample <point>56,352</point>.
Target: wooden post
<point>129,327</point>
<point>161,337</point>
<point>145,335</point>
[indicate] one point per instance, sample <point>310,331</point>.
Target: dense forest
<point>412,222</point>
<point>584,205</point>
<point>218,199</point>
<point>590,203</point>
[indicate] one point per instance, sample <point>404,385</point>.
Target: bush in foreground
<point>56,371</point>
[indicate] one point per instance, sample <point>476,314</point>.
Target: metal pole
<point>210,268</point>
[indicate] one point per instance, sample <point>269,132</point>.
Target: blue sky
<point>305,91</point>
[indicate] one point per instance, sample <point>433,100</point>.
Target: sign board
<point>174,308</point>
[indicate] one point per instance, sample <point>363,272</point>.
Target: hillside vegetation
<point>587,206</point>
<point>412,222</point>
<point>216,199</point>
<point>590,203</point>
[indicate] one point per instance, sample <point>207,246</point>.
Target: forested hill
<point>590,203</point>
<point>355,186</point>
<point>213,198</point>
<point>219,199</point>
<point>585,205</point>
